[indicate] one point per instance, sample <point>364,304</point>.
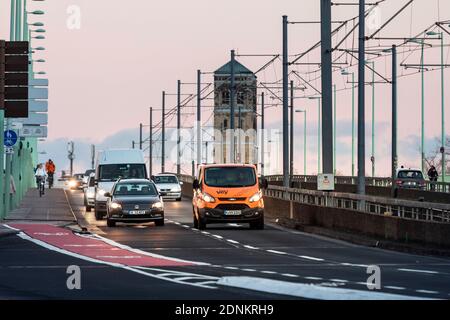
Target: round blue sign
<point>10,138</point>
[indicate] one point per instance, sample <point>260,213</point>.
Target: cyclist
<point>51,169</point>
<point>40,175</point>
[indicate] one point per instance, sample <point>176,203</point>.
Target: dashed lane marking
<point>311,258</point>
<point>418,271</point>
<point>394,288</point>
<point>276,252</point>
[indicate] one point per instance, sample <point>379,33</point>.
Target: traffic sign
<point>34,119</point>
<point>34,131</point>
<point>10,138</point>
<point>9,150</point>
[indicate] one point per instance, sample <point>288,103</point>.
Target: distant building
<point>245,105</point>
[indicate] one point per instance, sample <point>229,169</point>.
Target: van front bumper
<point>219,216</point>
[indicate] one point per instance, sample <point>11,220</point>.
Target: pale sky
<point>104,76</point>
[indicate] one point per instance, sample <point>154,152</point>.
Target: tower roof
<point>238,69</point>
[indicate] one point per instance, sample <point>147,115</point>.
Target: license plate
<point>232,212</point>
<point>137,212</point>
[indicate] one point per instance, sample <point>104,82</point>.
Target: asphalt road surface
<point>227,261</point>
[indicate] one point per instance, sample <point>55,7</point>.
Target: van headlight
<point>101,192</point>
<point>208,198</point>
<point>115,206</point>
<point>72,183</point>
<point>256,197</point>
<point>90,194</point>
<point>158,205</point>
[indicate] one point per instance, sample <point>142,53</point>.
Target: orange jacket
<point>50,167</point>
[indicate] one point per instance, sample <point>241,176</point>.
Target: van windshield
<point>112,172</point>
<point>230,177</point>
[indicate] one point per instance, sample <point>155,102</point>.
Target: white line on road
<point>233,241</point>
<point>339,280</point>
<point>427,291</point>
<point>290,275</point>
<point>276,252</point>
<point>419,271</point>
<point>394,288</point>
<point>250,247</point>
<point>269,272</point>
<point>311,258</point>
<point>313,278</point>
<point>249,270</point>
<point>217,236</point>
<point>231,268</point>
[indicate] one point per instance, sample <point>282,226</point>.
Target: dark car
<point>410,179</point>
<point>134,201</point>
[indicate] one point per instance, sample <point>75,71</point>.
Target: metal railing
<point>404,209</point>
<point>376,182</point>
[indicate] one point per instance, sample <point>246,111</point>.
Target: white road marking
<point>249,270</point>
<point>427,291</point>
<point>311,258</point>
<point>231,268</point>
<point>290,275</point>
<point>269,272</point>
<point>419,271</point>
<point>276,252</point>
<point>308,291</point>
<point>232,241</point>
<point>339,280</point>
<point>205,232</point>
<point>250,247</point>
<point>313,278</point>
<point>217,236</point>
<point>394,288</point>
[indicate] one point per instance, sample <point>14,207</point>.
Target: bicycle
<point>41,186</point>
<point>50,180</point>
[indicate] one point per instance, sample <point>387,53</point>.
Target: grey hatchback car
<point>134,201</point>
<point>410,179</point>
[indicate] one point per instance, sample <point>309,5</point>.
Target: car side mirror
<point>181,183</point>
<point>108,195</point>
<point>152,178</point>
<point>196,185</point>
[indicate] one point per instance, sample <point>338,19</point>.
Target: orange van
<point>228,193</point>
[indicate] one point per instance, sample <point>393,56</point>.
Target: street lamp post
<point>319,136</point>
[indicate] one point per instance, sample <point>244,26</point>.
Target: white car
<point>89,193</point>
<point>168,185</point>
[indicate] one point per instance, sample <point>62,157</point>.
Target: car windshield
<point>135,189</point>
<point>230,177</point>
<point>410,174</point>
<point>112,172</point>
<point>166,179</point>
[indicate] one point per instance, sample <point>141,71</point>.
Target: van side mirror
<point>181,183</point>
<point>108,195</point>
<point>152,178</point>
<point>196,184</point>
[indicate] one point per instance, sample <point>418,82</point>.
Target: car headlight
<point>101,192</point>
<point>90,194</point>
<point>72,183</point>
<point>176,189</point>
<point>157,205</point>
<point>115,205</point>
<point>256,197</point>
<point>208,198</point>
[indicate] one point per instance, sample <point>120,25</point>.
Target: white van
<point>112,165</point>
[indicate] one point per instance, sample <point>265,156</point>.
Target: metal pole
<point>285,104</point>
<point>422,145</point>
<point>304,145</point>
<point>327,87</point>
<point>18,20</point>
<point>444,164</point>
<point>334,129</point>
<point>361,101</point>
<point>199,119</point>
<point>291,139</point>
<point>262,133</point>
<point>232,113</point>
<point>93,156</point>
<point>394,117</point>
<point>353,124</point>
<point>25,22</point>
<point>140,136</point>
<point>373,120</point>
<point>150,145</point>
<point>319,138</point>
<point>178,127</point>
<point>12,28</point>
<point>2,129</point>
<point>163,137</point>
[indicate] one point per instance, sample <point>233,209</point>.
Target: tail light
<point>399,182</point>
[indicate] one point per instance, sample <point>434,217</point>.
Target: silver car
<point>168,185</point>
